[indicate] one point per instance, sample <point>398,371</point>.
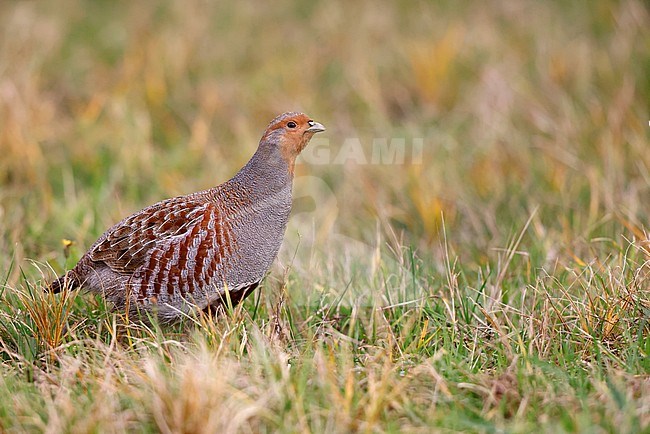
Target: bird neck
<point>267,172</point>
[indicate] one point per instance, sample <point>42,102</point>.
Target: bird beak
<point>315,127</point>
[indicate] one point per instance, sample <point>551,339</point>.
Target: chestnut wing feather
<point>129,245</point>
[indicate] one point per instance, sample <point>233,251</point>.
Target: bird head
<point>291,132</point>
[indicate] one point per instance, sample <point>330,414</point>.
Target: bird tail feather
<point>69,280</point>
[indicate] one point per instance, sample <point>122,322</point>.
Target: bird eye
<point>291,124</point>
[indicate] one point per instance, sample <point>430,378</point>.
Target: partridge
<point>196,251</point>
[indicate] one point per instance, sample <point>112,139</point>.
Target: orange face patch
<point>296,129</point>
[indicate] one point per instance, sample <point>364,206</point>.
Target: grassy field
<point>496,280</point>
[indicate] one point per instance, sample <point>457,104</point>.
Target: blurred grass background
<point>521,235</point>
